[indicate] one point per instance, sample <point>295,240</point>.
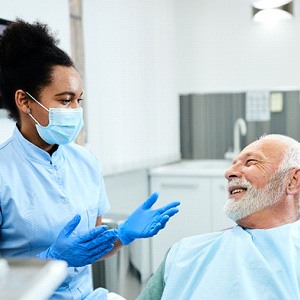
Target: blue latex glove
<point>144,222</point>
<point>81,250</point>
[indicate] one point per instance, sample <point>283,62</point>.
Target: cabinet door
<point>194,216</point>
<point>219,197</point>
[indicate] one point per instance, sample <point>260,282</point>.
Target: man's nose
<point>233,172</point>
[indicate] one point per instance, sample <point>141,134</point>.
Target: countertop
<point>193,167</point>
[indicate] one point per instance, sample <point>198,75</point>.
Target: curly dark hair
<point>28,53</point>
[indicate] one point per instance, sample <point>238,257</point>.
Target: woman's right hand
<point>81,250</point>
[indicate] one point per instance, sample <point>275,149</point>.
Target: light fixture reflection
<point>272,10</point>
<point>265,4</point>
<point>271,15</point>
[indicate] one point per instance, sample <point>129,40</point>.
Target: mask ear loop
<point>28,109</point>
<point>39,103</point>
<point>34,119</point>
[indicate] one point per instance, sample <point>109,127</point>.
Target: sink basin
<point>194,167</point>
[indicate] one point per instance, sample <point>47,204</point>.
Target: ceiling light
<point>272,10</point>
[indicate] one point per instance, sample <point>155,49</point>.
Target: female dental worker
<point>52,194</point>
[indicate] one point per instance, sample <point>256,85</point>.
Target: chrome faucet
<point>240,128</point>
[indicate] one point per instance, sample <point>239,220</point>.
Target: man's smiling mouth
<point>236,190</point>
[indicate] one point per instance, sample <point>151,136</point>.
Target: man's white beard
<point>254,199</point>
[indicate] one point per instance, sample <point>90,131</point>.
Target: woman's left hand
<point>144,222</point>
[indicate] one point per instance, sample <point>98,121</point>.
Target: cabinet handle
<point>179,186</point>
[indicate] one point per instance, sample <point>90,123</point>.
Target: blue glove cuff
<point>43,255</point>
<point>123,236</point>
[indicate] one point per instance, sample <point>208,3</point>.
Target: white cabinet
<point>202,199</point>
<point>192,218</point>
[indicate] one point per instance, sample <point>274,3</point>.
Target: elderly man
<point>260,257</point>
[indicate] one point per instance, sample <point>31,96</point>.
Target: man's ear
<point>21,100</point>
<point>294,182</point>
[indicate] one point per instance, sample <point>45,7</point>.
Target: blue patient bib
<point>236,264</point>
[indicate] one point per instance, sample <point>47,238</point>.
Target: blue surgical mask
<point>64,124</point>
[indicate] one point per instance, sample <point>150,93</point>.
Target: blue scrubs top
<point>40,194</point>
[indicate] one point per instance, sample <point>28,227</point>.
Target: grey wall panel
<point>207,126</point>
<point>207,122</point>
<point>292,114</point>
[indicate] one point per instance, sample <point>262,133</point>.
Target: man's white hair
<point>291,157</point>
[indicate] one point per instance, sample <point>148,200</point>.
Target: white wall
<point>222,49</point>
<point>133,116</point>
<point>55,13</point>
<point>142,54</point>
